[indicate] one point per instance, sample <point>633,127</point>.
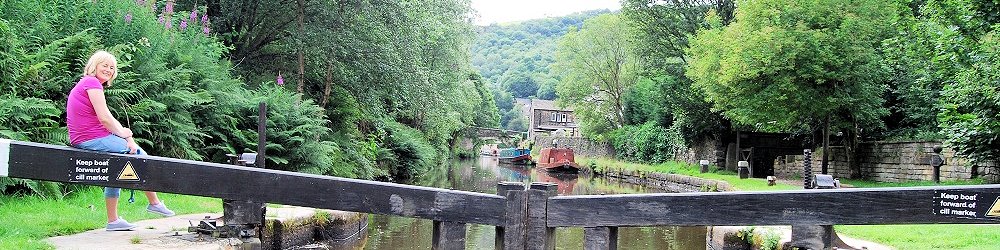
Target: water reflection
<point>483,174</point>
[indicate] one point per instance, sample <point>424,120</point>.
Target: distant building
<point>547,118</point>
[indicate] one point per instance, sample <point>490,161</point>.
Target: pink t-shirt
<point>81,119</point>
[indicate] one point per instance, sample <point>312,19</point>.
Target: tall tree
<point>789,65</point>
<point>786,64</point>
<point>663,28</point>
<point>597,66</point>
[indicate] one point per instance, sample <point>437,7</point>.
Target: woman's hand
<point>132,147</point>
<point>125,132</point>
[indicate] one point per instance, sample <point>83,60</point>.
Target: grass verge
<point>951,236</point>
<point>28,220</point>
<point>685,169</point>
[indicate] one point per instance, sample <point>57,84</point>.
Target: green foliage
<point>598,66</point>
<point>174,88</point>
<point>784,65</point>
<point>647,143</point>
<point>662,33</point>
<point>971,115</point>
<point>408,153</point>
<point>486,112</point>
<point>516,58</point>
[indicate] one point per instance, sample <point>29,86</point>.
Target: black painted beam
<point>856,206</point>
<point>64,164</point>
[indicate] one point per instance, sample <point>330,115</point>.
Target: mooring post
<point>936,161</point>
<point>448,235</point>
<point>245,219</point>
<point>261,134</point>
<point>600,238</point>
<point>512,234</point>
<point>540,236</point>
<point>812,237</point>
<point>807,169</point>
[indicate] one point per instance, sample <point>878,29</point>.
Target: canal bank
<point>717,237</point>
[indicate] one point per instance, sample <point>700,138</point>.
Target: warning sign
<point>103,170</point>
<point>128,173</point>
<point>966,204</point>
<point>995,209</point>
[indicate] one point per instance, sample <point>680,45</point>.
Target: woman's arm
<point>104,114</point>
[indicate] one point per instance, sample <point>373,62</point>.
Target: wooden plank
<point>540,236</point>
<point>515,229</point>
<point>448,235</point>
<point>600,238</point>
<point>856,206</point>
<point>503,189</point>
<point>65,164</point>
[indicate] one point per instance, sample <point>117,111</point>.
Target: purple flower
<point>205,30</point>
<point>168,24</point>
<point>204,19</point>
<point>281,81</point>
<point>160,19</point>
<point>170,7</point>
<point>194,16</point>
<point>128,17</point>
<point>184,25</point>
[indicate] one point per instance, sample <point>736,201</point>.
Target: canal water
<point>483,174</point>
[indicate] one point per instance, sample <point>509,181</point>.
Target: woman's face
<point>104,71</point>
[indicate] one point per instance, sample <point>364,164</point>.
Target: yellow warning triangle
<point>128,173</point>
<point>995,209</point>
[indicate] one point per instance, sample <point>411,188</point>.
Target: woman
<point>92,127</point>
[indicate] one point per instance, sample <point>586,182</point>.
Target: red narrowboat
<point>557,159</point>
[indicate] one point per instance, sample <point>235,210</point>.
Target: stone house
<point>545,117</point>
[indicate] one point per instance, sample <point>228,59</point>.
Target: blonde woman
<point>92,127</point>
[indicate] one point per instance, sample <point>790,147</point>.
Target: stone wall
<point>671,182</point>
<point>707,149</point>
<point>581,146</point>
<point>891,162</point>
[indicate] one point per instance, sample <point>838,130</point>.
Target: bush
<point>647,143</point>
<point>408,152</point>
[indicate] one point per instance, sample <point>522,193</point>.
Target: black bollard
<point>936,161</point>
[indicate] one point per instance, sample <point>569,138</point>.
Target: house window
<point>553,117</point>
<point>564,118</point>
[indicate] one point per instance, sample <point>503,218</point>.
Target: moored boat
<point>517,156</point>
<point>557,159</point>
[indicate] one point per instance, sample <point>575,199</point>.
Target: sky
<point>504,11</point>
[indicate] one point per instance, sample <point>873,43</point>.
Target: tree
<point>971,117</point>
<point>784,64</point>
<point>597,66</point>
<point>663,28</point>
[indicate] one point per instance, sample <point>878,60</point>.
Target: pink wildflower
<point>281,81</point>
<point>170,7</point>
<point>205,30</point>
<point>184,25</point>
<point>128,17</point>
<point>194,16</point>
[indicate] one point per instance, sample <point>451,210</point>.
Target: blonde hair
<point>99,57</point>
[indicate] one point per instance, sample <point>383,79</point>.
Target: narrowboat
<point>557,159</point>
<point>517,156</point>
